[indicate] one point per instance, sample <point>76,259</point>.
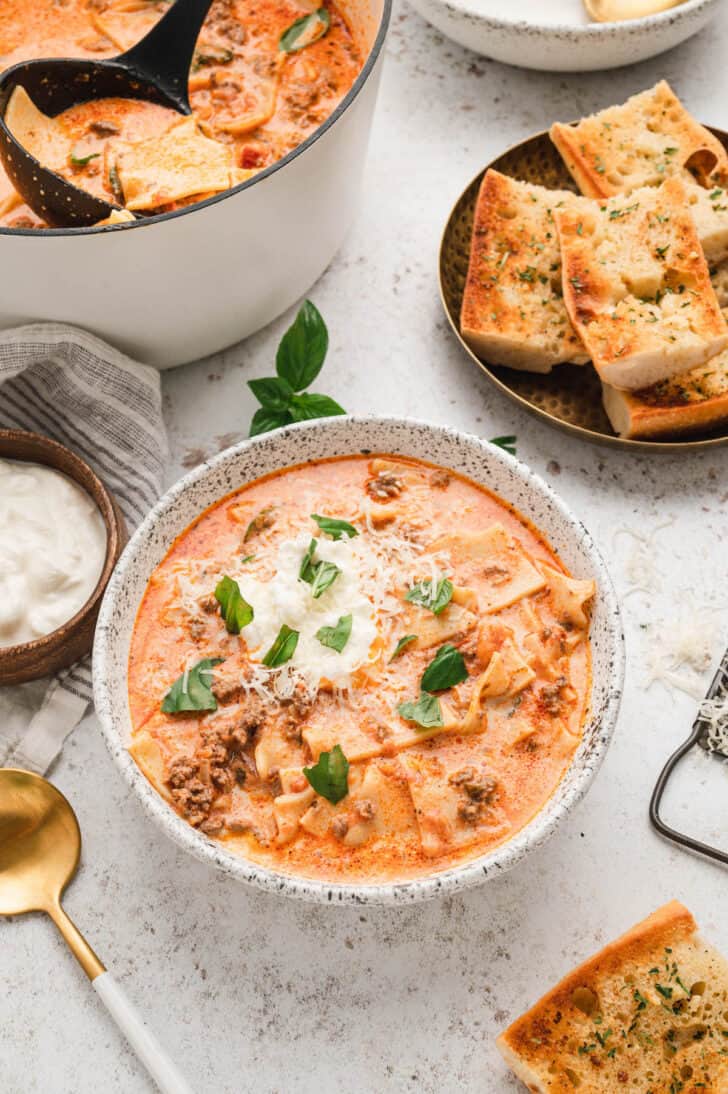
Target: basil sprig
<point>336,637</point>
<point>445,670</point>
<point>401,645</point>
<point>334,527</point>
<point>234,608</point>
<point>330,776</point>
<point>508,444</point>
<point>282,649</point>
<point>305,31</point>
<point>425,711</point>
<point>193,689</point>
<point>319,575</point>
<point>435,596</point>
<point>299,360</point>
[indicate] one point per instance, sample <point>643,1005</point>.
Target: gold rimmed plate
<point>570,396</point>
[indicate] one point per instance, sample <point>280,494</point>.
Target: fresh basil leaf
<point>282,649</point>
<point>445,670</point>
<point>211,56</point>
<point>259,523</point>
<point>325,574</point>
<point>265,420</point>
<point>234,608</point>
<point>303,347</point>
<point>272,392</point>
<point>248,558</point>
<point>306,407</point>
<point>305,31</point>
<point>403,642</point>
<point>508,444</point>
<point>433,596</point>
<point>330,776</point>
<point>336,637</point>
<point>306,571</point>
<point>81,161</point>
<point>193,689</point>
<point>425,712</point>
<point>334,527</point>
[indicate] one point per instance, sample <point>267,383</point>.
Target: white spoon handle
<point>164,1072</point>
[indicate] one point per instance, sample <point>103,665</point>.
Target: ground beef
<point>497,575</point>
<point>293,714</point>
<point>104,129</point>
<point>364,809</point>
<point>197,628</point>
<point>551,696</point>
<point>478,791</point>
<point>384,486</point>
<point>340,826</point>
<point>191,795</point>
<point>440,479</point>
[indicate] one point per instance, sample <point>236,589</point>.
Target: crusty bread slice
<point>647,1013</point>
<point>513,310</point>
<point>645,140</point>
<point>709,210</point>
<point>637,286</point>
<point>719,281</point>
<point>695,400</point>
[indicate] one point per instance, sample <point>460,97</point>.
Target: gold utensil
<point>40,847</point>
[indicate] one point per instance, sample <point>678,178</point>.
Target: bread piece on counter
<point>637,286</point>
<point>647,1013</point>
<point>645,140</point>
<point>513,309</point>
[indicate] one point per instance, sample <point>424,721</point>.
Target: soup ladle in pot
<point>40,847</point>
<point>155,69</point>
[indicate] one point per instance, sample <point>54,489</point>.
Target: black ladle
<point>156,69</point>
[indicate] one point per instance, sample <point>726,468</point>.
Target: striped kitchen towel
<point>63,382</point>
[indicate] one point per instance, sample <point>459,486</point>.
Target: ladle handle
<point>159,1065</point>
<point>165,54</point>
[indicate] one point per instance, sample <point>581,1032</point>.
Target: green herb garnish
<point>234,608</point>
<point>445,670</point>
<point>193,689</point>
<point>433,596</point>
<point>305,31</point>
<point>282,649</point>
<point>334,527</point>
<point>330,775</point>
<point>259,523</point>
<point>319,575</point>
<point>403,642</point>
<point>336,637</point>
<point>210,55</point>
<point>508,444</point>
<point>299,360</point>
<point>81,161</point>
<point>425,712</point>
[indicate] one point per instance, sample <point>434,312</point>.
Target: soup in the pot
<point>265,75</point>
<point>359,669</point>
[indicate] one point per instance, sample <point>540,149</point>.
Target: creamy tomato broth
<point>441,651</point>
<point>257,89</point>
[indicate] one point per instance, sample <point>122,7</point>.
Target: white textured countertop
<point>257,993</point>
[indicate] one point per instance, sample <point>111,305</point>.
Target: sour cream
<point>52,550</point>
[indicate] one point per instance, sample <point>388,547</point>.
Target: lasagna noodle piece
<point>513,310</point>
<point>40,135</point>
<point>454,796</point>
<point>648,1012</point>
<point>637,287</point>
<point>125,22</point>
<point>434,630</point>
<point>569,597</point>
<point>499,558</point>
<point>645,140</point>
<point>295,800</point>
<point>180,164</point>
<point>695,400</point>
<point>375,805</point>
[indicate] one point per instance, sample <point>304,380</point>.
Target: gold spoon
<point>40,846</point>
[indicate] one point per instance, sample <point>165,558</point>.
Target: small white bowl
<point>567,41</point>
<point>481,461</point>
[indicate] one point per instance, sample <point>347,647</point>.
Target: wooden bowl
<point>73,640</point>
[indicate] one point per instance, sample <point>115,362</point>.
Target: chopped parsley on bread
<point>649,138</point>
<point>513,310</point>
<point>649,1013</point>
<point>637,287</point>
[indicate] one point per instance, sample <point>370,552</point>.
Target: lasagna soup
<point>362,669</point>
<point>265,75</point>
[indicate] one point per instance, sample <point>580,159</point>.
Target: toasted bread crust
<point>649,1008</point>
<point>637,286</point>
<point>645,140</point>
<point>513,312</point>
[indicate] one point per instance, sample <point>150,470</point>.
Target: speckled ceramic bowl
<point>558,37</point>
<point>484,463</point>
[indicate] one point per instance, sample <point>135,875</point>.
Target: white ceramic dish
<point>557,36</point>
<point>478,459</point>
<point>179,286</point>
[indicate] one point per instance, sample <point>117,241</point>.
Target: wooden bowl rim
<point>113,522</point>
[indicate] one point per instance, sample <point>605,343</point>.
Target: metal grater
<point>713,741</point>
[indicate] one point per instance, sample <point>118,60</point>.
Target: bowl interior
<point>570,396</point>
<point>482,462</point>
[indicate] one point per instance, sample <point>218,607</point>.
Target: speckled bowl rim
<point>495,862</point>
<point>592,31</point>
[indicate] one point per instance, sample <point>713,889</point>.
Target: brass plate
<point>569,397</point>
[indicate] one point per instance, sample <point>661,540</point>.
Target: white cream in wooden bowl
<point>52,550</point>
